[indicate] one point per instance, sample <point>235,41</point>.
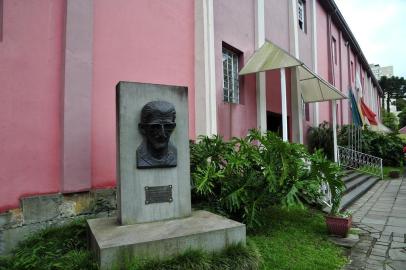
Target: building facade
<point>61,60</point>
<point>379,71</point>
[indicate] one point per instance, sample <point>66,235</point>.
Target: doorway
<point>274,123</point>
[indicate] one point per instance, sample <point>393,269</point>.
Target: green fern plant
<point>244,176</point>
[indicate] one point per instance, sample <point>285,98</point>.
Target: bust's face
<point>158,131</point>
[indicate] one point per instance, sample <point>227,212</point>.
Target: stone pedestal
<point>114,244</point>
<point>132,181</point>
<point>153,191</point>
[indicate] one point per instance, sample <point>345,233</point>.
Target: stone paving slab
<point>380,214</point>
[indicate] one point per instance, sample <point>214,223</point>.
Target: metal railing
<point>359,161</point>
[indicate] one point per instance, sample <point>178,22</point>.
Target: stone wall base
<point>39,212</point>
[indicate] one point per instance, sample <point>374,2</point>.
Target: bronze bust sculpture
<point>157,125</point>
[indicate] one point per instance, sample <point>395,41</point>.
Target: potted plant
<point>338,222</point>
<point>394,174</point>
<point>330,173</point>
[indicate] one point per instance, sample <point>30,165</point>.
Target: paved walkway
<point>381,216</point>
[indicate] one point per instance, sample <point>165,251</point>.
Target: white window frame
<point>231,84</point>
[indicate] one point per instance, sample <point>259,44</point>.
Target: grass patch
<point>63,247</point>
<point>294,239</point>
<point>235,257</point>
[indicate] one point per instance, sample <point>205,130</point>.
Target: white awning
<point>313,87</point>
<point>269,57</point>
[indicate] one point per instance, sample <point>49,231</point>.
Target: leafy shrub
<point>321,137</point>
<point>391,121</point>
<point>242,177</point>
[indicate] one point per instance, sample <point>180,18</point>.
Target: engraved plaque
<point>158,194</point>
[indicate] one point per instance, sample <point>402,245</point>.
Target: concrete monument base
<point>113,244</point>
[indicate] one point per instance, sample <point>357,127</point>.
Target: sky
<point>380,29</point>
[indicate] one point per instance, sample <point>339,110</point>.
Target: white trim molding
<point>205,75</point>
<point>261,79</point>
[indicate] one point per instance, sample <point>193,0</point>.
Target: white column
<point>334,111</point>
<point>205,75</point>
<point>261,79</point>
<point>284,106</point>
<point>316,119</point>
<point>296,97</point>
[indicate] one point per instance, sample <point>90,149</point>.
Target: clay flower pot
<point>338,225</point>
<point>394,174</point>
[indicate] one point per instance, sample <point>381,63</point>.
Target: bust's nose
<point>161,132</point>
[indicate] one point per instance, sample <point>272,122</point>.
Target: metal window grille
<point>231,88</point>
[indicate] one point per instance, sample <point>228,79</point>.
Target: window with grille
<point>231,88</point>
<point>301,15</point>
<point>334,50</point>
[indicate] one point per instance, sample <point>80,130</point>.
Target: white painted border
<point>76,160</point>
<point>205,69</point>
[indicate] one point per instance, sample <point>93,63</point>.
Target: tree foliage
<point>402,118</point>
<point>393,88</point>
<point>400,104</point>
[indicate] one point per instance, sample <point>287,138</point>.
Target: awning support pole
<point>284,106</point>
<point>334,112</point>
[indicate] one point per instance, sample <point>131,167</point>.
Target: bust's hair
<point>157,108</point>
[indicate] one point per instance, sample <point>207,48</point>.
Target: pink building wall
<point>31,82</point>
<point>305,37</point>
<point>234,24</point>
<point>277,23</point>
<point>323,57</point>
<point>143,41</point>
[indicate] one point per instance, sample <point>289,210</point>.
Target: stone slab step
<point>352,184</point>
<point>357,192</point>
<point>352,175</point>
